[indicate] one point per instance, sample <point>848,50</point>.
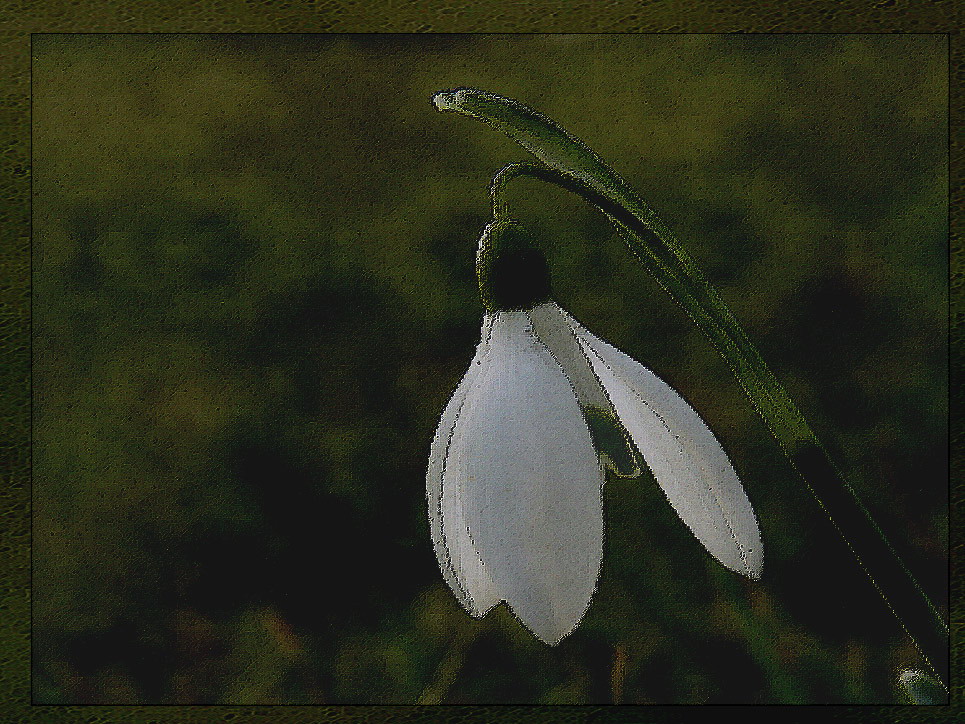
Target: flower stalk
<point>570,164</point>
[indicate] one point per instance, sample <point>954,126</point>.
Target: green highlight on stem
<point>569,163</point>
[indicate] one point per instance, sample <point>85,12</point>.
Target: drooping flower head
<point>517,464</point>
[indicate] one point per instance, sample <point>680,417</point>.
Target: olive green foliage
<point>254,292</point>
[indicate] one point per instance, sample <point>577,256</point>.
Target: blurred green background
<point>254,294</point>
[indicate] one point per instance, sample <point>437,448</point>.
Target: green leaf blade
<point>573,165</point>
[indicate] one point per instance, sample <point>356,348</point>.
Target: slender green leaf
<point>921,688</point>
<point>569,163</point>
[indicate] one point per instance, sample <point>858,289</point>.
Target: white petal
<point>532,481</point>
<point>551,327</point>
<point>458,559</point>
<point>687,461</point>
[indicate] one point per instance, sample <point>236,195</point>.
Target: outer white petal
<point>551,327</point>
<point>689,464</point>
<point>532,481</point>
<point>458,558</point>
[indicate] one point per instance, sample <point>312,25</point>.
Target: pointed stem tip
<point>447,100</point>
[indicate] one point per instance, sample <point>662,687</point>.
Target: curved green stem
<point>570,164</point>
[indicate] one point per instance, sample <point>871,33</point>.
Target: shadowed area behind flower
<point>254,294</point>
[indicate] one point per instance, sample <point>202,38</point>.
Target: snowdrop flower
<point>516,468</point>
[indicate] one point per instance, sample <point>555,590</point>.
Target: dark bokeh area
<point>254,294</point>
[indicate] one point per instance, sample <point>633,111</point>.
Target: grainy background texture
<point>254,293</point>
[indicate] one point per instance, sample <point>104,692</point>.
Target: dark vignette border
<point>20,20</point>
